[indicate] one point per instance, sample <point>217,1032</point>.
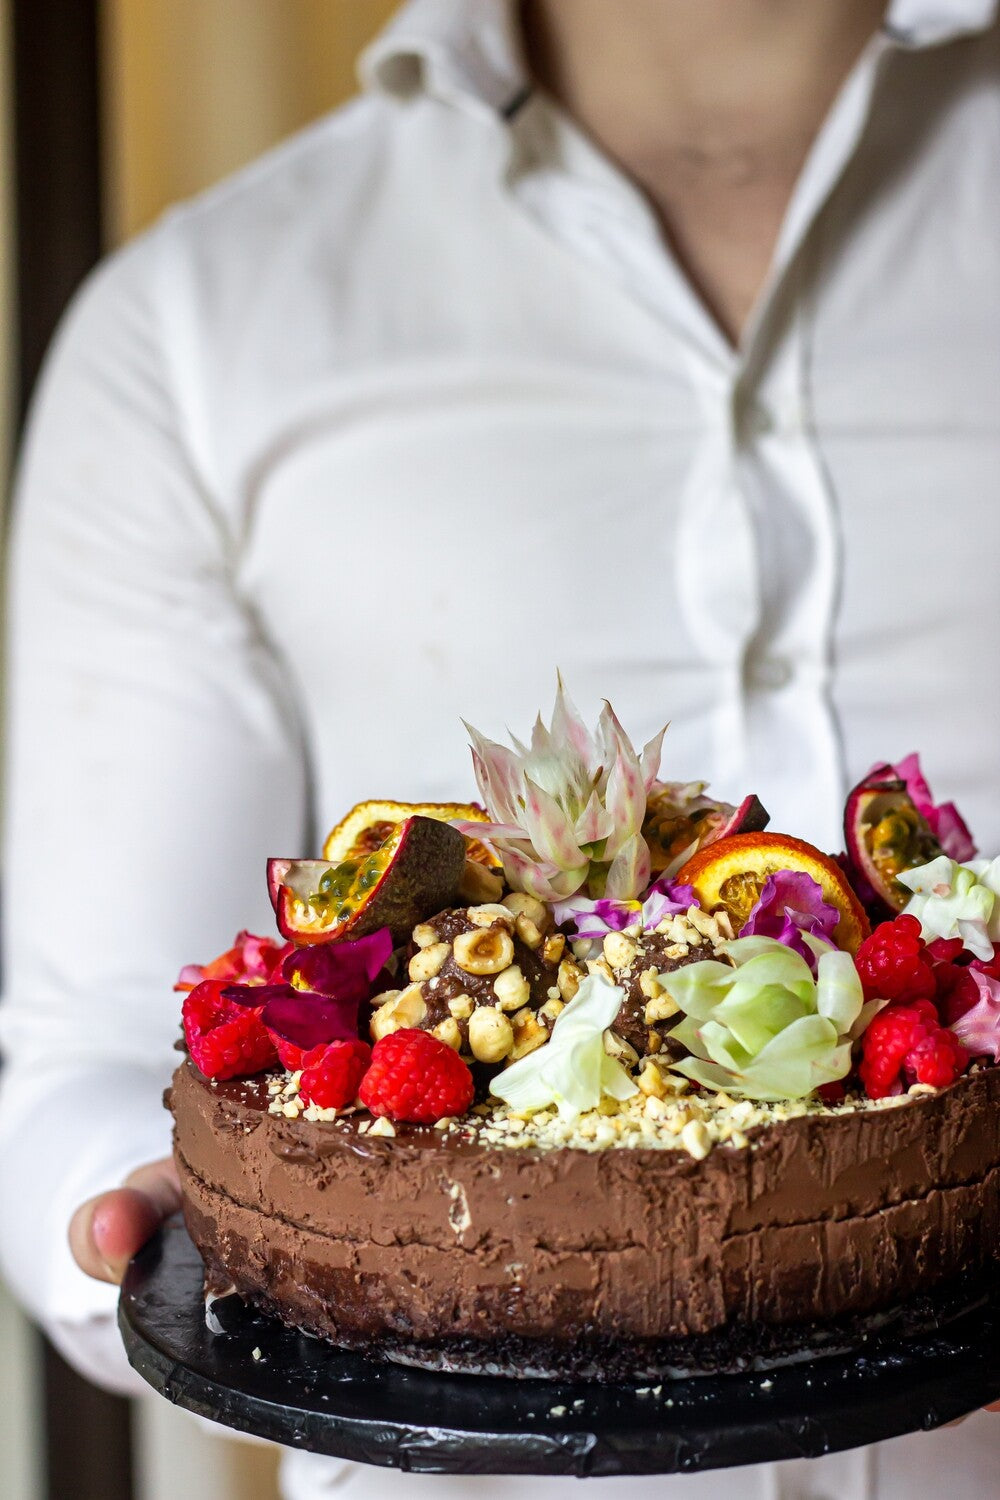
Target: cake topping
<point>791,904</point>
<point>571,983</point>
<point>733,873</point>
<point>907,1044</point>
<point>413,873</point>
<point>891,825</point>
<point>680,820</point>
<point>414,1076</point>
<point>225,1040</point>
<point>251,960</point>
<point>320,995</point>
<point>978,1029</point>
<point>331,1075</point>
<point>766,1029</point>
<point>894,963</point>
<point>568,811</point>
<point>573,1071</point>
<point>957,901</point>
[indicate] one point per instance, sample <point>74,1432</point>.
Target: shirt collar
<point>465,51</point>
<point>926,23</point>
<point>469,51</point>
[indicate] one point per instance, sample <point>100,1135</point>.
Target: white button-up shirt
<point>376,434</point>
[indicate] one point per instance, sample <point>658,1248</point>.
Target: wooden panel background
<point>195,88</point>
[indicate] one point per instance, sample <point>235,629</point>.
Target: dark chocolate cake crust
<point>425,1245</point>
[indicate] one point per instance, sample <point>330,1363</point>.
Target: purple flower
<point>325,985</point>
<point>594,919</point>
<point>790,904</point>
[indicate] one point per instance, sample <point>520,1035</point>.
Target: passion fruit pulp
<point>677,824</point>
<point>885,836</point>
<point>412,874</point>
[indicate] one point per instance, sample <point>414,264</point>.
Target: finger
<point>108,1230</point>
<point>159,1181</point>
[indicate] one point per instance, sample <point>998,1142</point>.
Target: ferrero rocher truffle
<point>489,980</point>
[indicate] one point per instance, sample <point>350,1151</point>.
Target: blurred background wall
<point>191,90</point>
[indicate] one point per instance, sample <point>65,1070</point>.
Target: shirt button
<point>754,421</point>
<point>769,673</point>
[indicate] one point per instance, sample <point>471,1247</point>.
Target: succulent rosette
<point>952,900</point>
<point>573,1071</point>
<point>567,811</point>
<point>763,1027</point>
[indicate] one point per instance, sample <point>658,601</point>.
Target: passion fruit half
<point>680,820</point>
<point>885,836</point>
<point>412,874</point>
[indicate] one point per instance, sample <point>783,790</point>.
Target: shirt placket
<point>756,553</point>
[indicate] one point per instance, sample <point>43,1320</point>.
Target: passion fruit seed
<point>900,841</point>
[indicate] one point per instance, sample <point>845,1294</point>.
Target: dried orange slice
<point>369,824</point>
<point>731,874</point>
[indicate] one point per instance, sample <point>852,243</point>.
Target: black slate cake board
<point>258,1376</point>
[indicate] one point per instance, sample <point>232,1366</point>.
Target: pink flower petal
<point>946,823</point>
<point>568,728</point>
<point>649,761</point>
<point>979,1029</point>
<point>595,823</point>
<point>344,970</point>
<point>308,1020</point>
<point>549,829</point>
<point>629,872</point>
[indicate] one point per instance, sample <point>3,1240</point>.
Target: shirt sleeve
<point>155,759</point>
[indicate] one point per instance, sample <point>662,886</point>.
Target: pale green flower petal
<point>765,1029</point>
<point>839,995</point>
<point>572,1070</point>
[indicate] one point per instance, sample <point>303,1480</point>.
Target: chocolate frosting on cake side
<point>427,1237</point>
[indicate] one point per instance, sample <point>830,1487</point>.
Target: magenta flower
<point>251,960</point>
<point>325,986</point>
<point>790,904</point>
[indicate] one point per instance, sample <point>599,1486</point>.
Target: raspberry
<point>291,1056</point>
<point>225,1040</point>
<point>415,1077</point>
<point>907,1044</point>
<point>331,1074</point>
<point>893,963</point>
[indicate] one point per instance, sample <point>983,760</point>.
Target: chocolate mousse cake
<point>485,1247</point>
<point>547,1114</point>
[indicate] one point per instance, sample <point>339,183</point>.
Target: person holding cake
<point>650,340</point>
